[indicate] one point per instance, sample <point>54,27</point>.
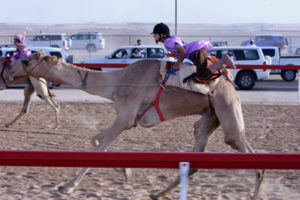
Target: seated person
<point>124,54</point>
<point>136,53</point>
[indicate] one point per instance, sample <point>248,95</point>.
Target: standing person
<point>138,42</point>
<point>22,49</point>
<point>194,51</point>
<point>251,43</point>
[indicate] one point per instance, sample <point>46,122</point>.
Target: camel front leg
<point>203,130</point>
<point>42,90</point>
<point>107,136</point>
<point>28,91</point>
<point>232,122</point>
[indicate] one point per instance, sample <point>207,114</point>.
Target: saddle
<point>185,78</point>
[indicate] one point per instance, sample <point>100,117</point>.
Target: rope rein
<point>121,84</point>
<point>98,85</point>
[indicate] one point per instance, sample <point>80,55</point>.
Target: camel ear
<point>25,62</point>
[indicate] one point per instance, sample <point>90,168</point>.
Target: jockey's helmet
<point>161,28</point>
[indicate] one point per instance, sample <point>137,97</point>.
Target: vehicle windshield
<point>120,53</point>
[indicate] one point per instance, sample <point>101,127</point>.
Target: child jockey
<point>193,51</point>
<point>22,50</point>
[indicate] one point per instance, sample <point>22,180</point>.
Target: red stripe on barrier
<point>112,65</point>
<point>150,159</point>
<point>292,67</point>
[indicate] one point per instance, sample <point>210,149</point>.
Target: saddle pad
<point>185,70</point>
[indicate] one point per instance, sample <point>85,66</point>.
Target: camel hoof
<point>8,125</point>
<point>65,189</point>
<point>153,197</point>
<point>95,143</point>
<point>126,172</point>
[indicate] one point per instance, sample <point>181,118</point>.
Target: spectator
<point>251,43</point>
<point>136,53</point>
<point>124,54</point>
<point>138,42</point>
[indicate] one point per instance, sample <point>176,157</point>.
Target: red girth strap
<point>155,103</point>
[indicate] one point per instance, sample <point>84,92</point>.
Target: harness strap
<point>156,104</point>
<point>5,66</point>
<point>2,71</point>
<point>213,77</point>
<point>156,101</point>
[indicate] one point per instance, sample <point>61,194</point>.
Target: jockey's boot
<point>219,64</point>
<point>228,61</point>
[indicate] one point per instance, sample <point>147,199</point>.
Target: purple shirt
<point>172,42</point>
<point>22,52</point>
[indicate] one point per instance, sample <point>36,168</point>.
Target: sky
<point>150,11</point>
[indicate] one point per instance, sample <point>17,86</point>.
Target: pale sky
<point>150,11</point>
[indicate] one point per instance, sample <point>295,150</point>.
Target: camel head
<point>23,67</point>
<point>4,63</point>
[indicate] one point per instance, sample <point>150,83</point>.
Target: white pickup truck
<point>277,59</point>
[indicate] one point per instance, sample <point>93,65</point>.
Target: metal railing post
<point>184,173</point>
<point>299,86</point>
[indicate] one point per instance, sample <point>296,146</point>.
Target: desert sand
<point>269,127</point>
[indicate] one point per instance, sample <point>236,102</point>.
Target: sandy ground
<point>270,128</point>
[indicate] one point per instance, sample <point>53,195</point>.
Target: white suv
<point>91,41</point>
<point>57,40</point>
<point>245,79</point>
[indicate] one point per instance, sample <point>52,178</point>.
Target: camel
<point>39,85</point>
<point>133,89</point>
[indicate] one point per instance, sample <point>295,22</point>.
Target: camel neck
<point>90,81</point>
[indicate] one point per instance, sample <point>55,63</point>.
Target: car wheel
<point>245,80</point>
<point>91,48</point>
<point>288,75</point>
<point>297,52</point>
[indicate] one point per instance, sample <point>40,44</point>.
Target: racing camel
<point>39,85</point>
<point>133,89</point>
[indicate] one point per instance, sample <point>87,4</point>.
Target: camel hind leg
<point>28,91</point>
<point>41,88</point>
<point>203,130</point>
<point>232,122</point>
